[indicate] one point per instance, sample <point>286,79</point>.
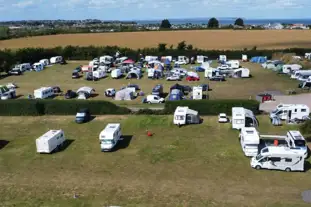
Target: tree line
<point>8,58</point>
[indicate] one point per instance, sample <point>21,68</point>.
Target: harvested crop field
<point>204,39</point>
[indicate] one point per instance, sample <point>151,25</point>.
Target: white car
<point>223,67</point>
<point>154,99</point>
<point>173,78</point>
<point>222,118</point>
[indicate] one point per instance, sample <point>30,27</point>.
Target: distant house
<point>274,26</point>
<point>298,26</point>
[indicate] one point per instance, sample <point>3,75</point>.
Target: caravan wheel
<point>288,169</point>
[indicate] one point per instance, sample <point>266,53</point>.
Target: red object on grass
<point>149,134</point>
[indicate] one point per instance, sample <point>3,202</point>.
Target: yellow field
<point>205,39</point>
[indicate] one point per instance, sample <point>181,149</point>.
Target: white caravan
<point>110,136</point>
<point>291,111</point>
<point>244,58</point>
<point>22,67</point>
<point>149,58</point>
<point>50,141</point>
<point>202,59</point>
<point>45,62</point>
<point>297,73</point>
<point>303,78</point>
<point>43,93</point>
<point>291,68</point>
<point>184,115</point>
<point>241,73</point>
<point>106,59</point>
<point>234,64</point>
<point>55,60</point>
<point>209,72</point>
<point>279,158</point>
<point>249,139</point>
<point>242,117</point>
<point>222,58</point>
<point>308,55</point>
<point>98,74</point>
<point>38,66</point>
<point>182,60</point>
<point>116,73</point>
<point>197,93</point>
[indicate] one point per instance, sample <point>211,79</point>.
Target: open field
<point>203,39</point>
<point>58,75</point>
<point>198,165</point>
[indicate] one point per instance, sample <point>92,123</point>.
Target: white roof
<point>85,89</point>
<point>51,133</point>
<point>182,110</point>
<point>280,150</point>
<point>222,114</point>
<point>250,135</point>
<point>238,110</point>
<point>296,135</point>
<point>44,88</point>
<point>110,129</point>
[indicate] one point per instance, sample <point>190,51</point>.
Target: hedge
<point>213,107</point>
<point>26,107</point>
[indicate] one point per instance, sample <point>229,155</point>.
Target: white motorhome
<point>234,64</point>
<point>197,93</point>
<point>290,111</point>
<point>38,66</point>
<point>291,68</point>
<point>43,93</point>
<point>184,115</point>
<point>244,58</point>
<point>106,59</point>
<point>45,62</point>
<point>182,60</point>
<point>250,140</point>
<point>242,117</point>
<point>116,73</point>
<point>110,136</point>
<point>50,141</point>
<point>279,158</point>
<point>241,73</point>
<point>296,141</point>
<point>55,60</point>
<point>222,58</point>
<point>202,59</point>
<point>297,73</point>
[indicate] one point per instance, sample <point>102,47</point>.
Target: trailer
<point>50,141</point>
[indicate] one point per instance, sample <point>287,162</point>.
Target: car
<point>70,94</point>
<point>56,89</point>
<point>222,118</point>
<point>205,87</point>
<point>153,99</point>
<point>173,78</point>
<point>192,78</point>
<point>15,72</point>
<point>83,116</point>
<point>110,92</point>
<point>223,67</point>
<point>217,78</point>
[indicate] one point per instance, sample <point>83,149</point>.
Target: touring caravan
<point>38,66</point>
<point>242,117</point>
<point>184,115</point>
<point>98,74</point>
<point>43,93</point>
<point>55,60</point>
<point>202,59</point>
<point>197,93</point>
<point>45,62</point>
<point>291,111</point>
<point>222,58</point>
<point>297,73</point>
<point>22,67</point>
<point>182,60</point>
<point>279,158</point>
<point>116,73</point>
<point>287,69</point>
<point>244,58</point>
<point>250,140</point>
<point>210,72</point>
<point>234,64</point>
<point>110,136</point>
<point>50,141</point>
<point>106,59</point>
<point>241,73</point>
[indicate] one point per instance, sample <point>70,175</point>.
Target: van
<point>83,116</point>
<point>291,111</point>
<point>43,93</point>
<point>50,141</point>
<point>116,73</point>
<point>154,99</point>
<point>110,136</point>
<point>184,115</point>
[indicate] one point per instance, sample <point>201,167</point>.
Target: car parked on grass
<point>83,116</point>
<point>217,78</point>
<point>70,94</point>
<point>192,78</point>
<point>15,72</point>
<point>153,99</point>
<point>222,118</point>
<point>173,78</point>
<point>110,92</point>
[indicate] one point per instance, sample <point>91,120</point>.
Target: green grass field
<point>58,75</point>
<point>198,165</point>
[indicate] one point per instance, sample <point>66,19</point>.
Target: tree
<point>161,47</point>
<point>181,46</point>
<point>189,47</point>
<point>239,22</point>
<point>213,23</point>
<point>4,33</point>
<point>165,24</point>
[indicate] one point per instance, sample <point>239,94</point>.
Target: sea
<point>227,21</point>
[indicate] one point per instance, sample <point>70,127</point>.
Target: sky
<point>152,9</point>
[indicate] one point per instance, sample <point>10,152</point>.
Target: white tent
<point>124,95</point>
<point>241,73</point>
<point>134,74</point>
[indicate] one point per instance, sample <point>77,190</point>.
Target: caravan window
<point>288,160</point>
<point>275,159</point>
<point>303,110</point>
<point>265,150</point>
<point>239,121</point>
<point>179,117</point>
<point>300,143</point>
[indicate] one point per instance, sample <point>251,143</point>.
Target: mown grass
<point>198,165</point>
<point>58,75</point>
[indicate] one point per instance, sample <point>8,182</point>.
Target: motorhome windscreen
<point>259,157</point>
<point>249,132</point>
<point>300,143</point>
<point>108,141</point>
<point>179,117</point>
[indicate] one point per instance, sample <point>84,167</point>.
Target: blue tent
<point>258,59</point>
<point>167,62</point>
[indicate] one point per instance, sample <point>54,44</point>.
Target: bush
<point>306,127</point>
<point>212,107</point>
<point>57,107</point>
<point>150,112</point>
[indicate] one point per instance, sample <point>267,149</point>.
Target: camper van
<point>249,139</point>
<point>55,60</point>
<point>184,115</point>
<point>279,158</point>
<point>43,93</point>
<point>234,64</point>
<point>50,141</point>
<point>242,117</point>
<point>291,111</point>
<point>116,73</point>
<point>110,136</point>
<point>197,93</point>
<point>297,73</point>
<point>202,59</point>
<point>38,66</point>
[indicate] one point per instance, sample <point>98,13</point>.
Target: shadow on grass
<point>66,144</point>
<point>164,95</point>
<point>93,95</point>
<point>123,143</point>
<point>19,96</point>
<point>307,166</point>
<point>3,143</point>
<point>4,76</point>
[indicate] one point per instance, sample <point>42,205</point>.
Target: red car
<point>192,78</point>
